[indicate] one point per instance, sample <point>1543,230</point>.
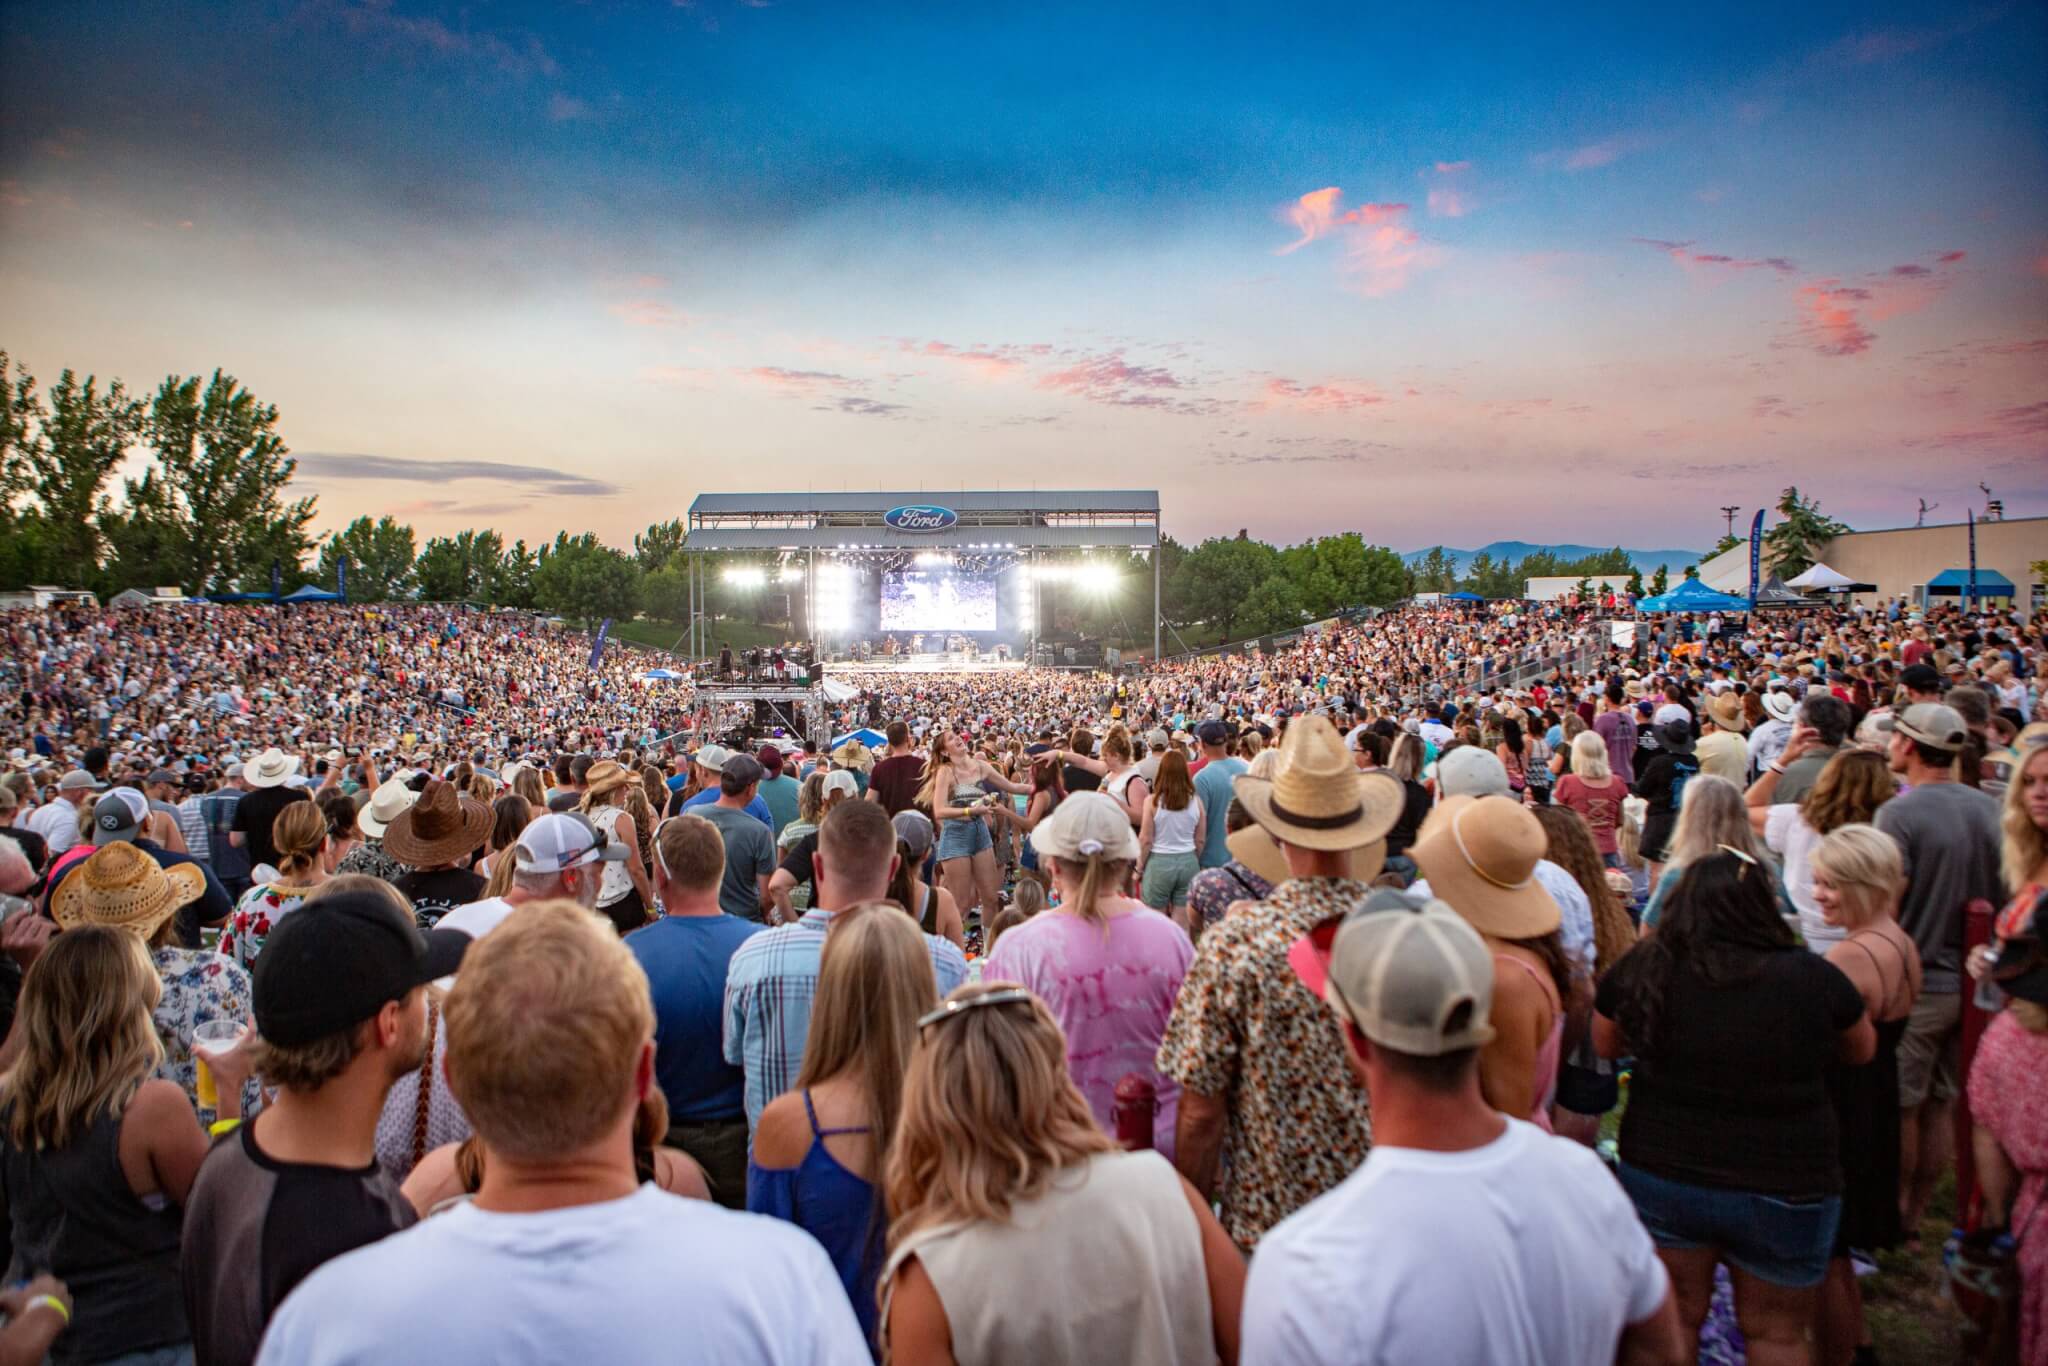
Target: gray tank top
<point>74,1216</point>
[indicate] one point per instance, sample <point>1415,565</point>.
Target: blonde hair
<point>545,1027</point>
<point>2025,844</point>
<point>1098,875</point>
<point>1848,791</point>
<point>298,832</point>
<point>88,1042</point>
<point>1589,757</point>
<point>527,784</point>
<point>990,1117</point>
<point>1711,814</point>
<point>1863,862</point>
<point>810,799</point>
<point>874,981</point>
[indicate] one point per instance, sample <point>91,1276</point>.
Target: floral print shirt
<point>370,859</point>
<point>256,914</point>
<point>1216,890</point>
<point>1246,1030</point>
<point>198,986</point>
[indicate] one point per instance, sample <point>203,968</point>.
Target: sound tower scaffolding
<point>798,708</point>
<point>1020,528</point>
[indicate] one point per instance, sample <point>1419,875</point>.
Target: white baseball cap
<point>562,840</point>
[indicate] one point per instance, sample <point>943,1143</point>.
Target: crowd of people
<point>1266,1006</point>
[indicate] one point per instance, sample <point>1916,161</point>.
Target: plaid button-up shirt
<point>769,987</point>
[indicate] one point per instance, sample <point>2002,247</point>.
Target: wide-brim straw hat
<point>1261,853</point>
<point>1726,712</point>
<point>1318,799</point>
<point>1479,854</point>
<point>439,828</point>
<point>390,801</point>
<point>122,886</point>
<point>606,776</point>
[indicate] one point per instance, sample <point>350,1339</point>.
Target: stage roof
<point>979,519</point>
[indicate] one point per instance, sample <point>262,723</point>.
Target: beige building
<point>1901,561</point>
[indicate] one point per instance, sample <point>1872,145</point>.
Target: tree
<point>1274,605</point>
<point>1437,572</point>
<point>584,580</point>
<point>1491,578</point>
<point>1692,571</point>
<point>86,433</point>
<point>380,559</point>
<point>1219,575</point>
<point>1172,605</point>
<point>665,594</point>
<point>1635,582</point>
<point>23,533</point>
<point>221,473</point>
<point>515,577</point>
<point>1334,573</point>
<point>466,567</point>
<point>659,544</point>
<point>1729,540</point>
<point>1794,544</point>
<point>1660,582</point>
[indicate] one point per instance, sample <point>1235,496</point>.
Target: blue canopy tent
<point>1693,596</point>
<point>662,673</point>
<point>1956,583</point>
<point>311,594</point>
<point>240,597</point>
<point>1463,597</point>
<point>873,739</point>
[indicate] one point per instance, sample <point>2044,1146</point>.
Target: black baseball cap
<point>335,961</point>
<point>1920,678</point>
<point>1212,732</point>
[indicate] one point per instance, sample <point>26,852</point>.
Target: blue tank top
<point>831,1204</point>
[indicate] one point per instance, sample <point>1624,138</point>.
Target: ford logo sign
<point>920,518</point>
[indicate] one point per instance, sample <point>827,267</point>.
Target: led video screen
<point>938,600</point>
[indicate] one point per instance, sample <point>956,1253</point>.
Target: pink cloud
<point>988,362</point>
<point>1333,397</point>
<point>647,313</point>
<point>1380,249</point>
<point>797,381</point>
<point>1452,167</point>
<point>1096,375</point>
<point>1449,196</point>
<point>1949,258</point>
<point>1830,321</point>
<point>1909,272</point>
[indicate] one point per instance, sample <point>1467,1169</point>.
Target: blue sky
<point>1579,276</point>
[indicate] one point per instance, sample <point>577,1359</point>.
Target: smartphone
<point>12,906</point>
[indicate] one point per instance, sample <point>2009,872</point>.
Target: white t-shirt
<point>478,918</point>
<point>651,1277</point>
<point>1788,835</point>
<point>1524,1252</point>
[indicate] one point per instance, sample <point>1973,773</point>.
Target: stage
<point>923,664</point>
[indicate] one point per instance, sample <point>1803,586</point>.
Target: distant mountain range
<point>1645,560</point>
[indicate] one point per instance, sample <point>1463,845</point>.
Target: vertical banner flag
<point>341,577</point>
<point>1970,594</point>
<point>1756,555</point>
<point>597,650</point>
<point>276,580</point>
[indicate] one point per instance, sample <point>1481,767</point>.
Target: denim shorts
<point>1783,1241</point>
<point>963,839</point>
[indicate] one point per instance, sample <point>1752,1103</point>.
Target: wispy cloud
<point>647,313</point>
<point>1684,255</point>
<point>798,381</point>
<point>568,109</point>
<point>519,56</point>
<point>861,407</point>
<point>989,362</point>
<point>325,465</point>
<point>1830,318</point>
<point>1449,189</point>
<point>1332,397</point>
<point>1591,156</point>
<point>1380,250</point>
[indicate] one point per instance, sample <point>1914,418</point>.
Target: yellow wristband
<point>221,1126</point>
<point>63,1310</point>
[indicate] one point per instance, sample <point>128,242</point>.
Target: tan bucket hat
<point>1318,799</point>
<point>1479,854</point>
<point>122,886</point>
<point>1726,712</point>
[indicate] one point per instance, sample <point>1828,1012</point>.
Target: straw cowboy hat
<point>439,828</point>
<point>391,800</point>
<point>270,768</point>
<point>1725,711</point>
<point>122,886</point>
<point>1318,799</point>
<point>606,775</point>
<point>1480,855</point>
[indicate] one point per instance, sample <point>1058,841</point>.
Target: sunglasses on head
<point>953,1010</point>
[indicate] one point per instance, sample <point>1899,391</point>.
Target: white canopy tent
<point>1825,580</point>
